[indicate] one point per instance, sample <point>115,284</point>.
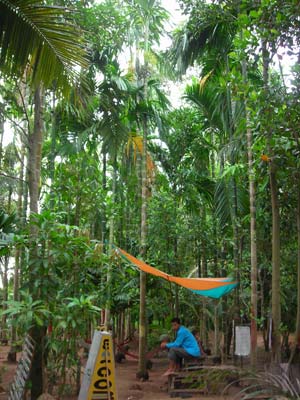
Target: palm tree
<point>42,43</point>
<point>209,33</point>
<point>7,228</point>
<point>148,17</point>
<point>41,40</point>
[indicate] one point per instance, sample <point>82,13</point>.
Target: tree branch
<point>25,110</point>
<point>18,126</point>
<point>12,177</point>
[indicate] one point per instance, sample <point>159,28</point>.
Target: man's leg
<point>172,362</point>
<point>175,356</point>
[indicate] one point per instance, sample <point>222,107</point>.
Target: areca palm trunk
<point>234,219</point>
<point>111,241</point>
<point>52,151</point>
<point>104,188</point>
<point>1,139</point>
<point>234,216</point>
<point>297,333</point>
<point>253,246</point>
<point>142,319</point>
<point>34,173</point>
<point>276,307</point>
<point>142,370</point>
<point>296,346</point>
<point>5,297</point>
<point>203,323</point>
<point>253,236</point>
<point>12,355</point>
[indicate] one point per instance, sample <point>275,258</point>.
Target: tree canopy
<point>209,187</point>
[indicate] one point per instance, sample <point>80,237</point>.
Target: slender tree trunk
<point>253,237</point>
<point>5,298</point>
<point>12,355</point>
<point>52,151</point>
<point>176,264</point>
<point>104,188</point>
<point>253,250</point>
<point>142,370</point>
<point>111,241</point>
<point>296,348</point>
<point>276,307</point>
<point>203,324</point>
<point>143,320</point>
<point>1,139</point>
<point>5,279</point>
<point>216,347</point>
<point>34,169</point>
<point>234,214</point>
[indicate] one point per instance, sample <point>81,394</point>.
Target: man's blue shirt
<point>187,341</point>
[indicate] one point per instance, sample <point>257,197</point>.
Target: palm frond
<point>42,40</point>
<point>224,201</point>
<point>209,28</point>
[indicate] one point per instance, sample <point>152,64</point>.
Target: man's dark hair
<point>176,319</point>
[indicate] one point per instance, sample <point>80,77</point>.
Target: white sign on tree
<point>242,341</point>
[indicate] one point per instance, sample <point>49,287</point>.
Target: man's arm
<point>178,342</point>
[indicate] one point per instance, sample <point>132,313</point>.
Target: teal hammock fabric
<point>208,287</point>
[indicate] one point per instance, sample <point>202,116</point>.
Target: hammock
<point>208,287</point>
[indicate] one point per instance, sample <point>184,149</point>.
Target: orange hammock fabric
<point>210,287</point>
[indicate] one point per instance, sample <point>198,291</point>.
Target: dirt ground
<point>128,387</point>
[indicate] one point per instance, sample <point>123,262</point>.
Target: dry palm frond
<point>136,143</point>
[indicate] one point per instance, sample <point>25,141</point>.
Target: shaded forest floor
<point>128,387</point>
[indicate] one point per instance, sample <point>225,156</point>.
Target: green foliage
<point>42,39</point>
<point>197,185</point>
<point>7,229</point>
<point>27,313</point>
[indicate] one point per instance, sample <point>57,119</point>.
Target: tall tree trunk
<point>5,298</point>
<point>1,139</point>
<point>52,151</point>
<point>5,279</point>
<point>34,172</point>
<point>253,236</point>
<point>23,257</point>
<point>176,309</point>
<point>234,213</point>
<point>253,246</point>
<point>142,319</point>
<point>276,307</point>
<point>216,346</point>
<point>203,323</point>
<point>296,348</point>
<point>12,355</point>
<point>104,188</point>
<point>142,370</point>
<point>111,241</point>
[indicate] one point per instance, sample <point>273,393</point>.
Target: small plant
<point>26,313</point>
<point>271,385</point>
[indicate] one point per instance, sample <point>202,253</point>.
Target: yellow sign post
<point>99,381</point>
